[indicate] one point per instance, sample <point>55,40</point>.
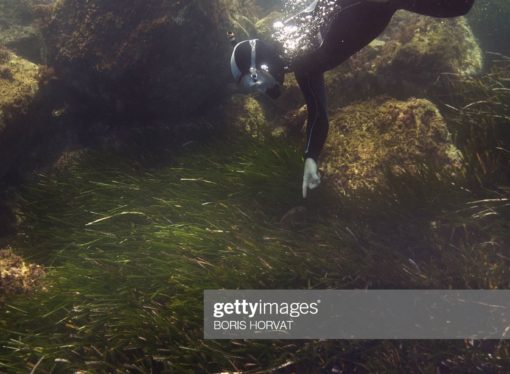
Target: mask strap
<point>253,67</point>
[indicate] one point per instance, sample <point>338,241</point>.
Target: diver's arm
<point>312,86</point>
<point>313,89</point>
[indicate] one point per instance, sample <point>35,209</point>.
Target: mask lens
<point>261,81</point>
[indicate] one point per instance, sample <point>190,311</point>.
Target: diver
<point>339,29</point>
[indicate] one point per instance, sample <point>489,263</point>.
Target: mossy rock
<point>261,116</point>
<point>18,80</point>
<point>407,59</point>
<point>143,60</point>
<point>18,88</point>
<point>437,46</point>
<point>246,113</point>
<point>370,139</point>
<point>18,27</point>
<point>16,275</point>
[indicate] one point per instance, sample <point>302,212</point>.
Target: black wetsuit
<point>352,28</point>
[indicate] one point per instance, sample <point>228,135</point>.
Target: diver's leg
<point>436,8</point>
<point>353,27</point>
<point>314,92</point>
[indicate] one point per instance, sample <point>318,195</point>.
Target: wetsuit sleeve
<point>436,8</point>
<point>312,87</point>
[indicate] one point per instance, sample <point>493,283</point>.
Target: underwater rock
<point>31,135</point>
<point>407,59</point>
<point>68,159</point>
<point>17,276</point>
<point>18,28</point>
<point>369,139</point>
<point>139,60</point>
<point>246,113</point>
<point>261,116</point>
<point>18,89</point>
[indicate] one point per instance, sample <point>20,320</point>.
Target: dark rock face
<point>109,66</point>
<point>139,59</point>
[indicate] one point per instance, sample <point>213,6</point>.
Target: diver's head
<point>257,67</point>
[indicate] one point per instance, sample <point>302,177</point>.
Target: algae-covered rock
<point>140,60</point>
<point>18,88</point>
<point>18,29</point>
<point>247,113</point>
<point>16,275</point>
<point>260,116</point>
<point>369,139</point>
<point>407,59</point>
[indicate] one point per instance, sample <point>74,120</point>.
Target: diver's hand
<point>311,178</point>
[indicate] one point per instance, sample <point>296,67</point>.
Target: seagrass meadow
<point>131,239</point>
<point>131,189</point>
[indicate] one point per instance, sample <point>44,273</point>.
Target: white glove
<point>311,178</point>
